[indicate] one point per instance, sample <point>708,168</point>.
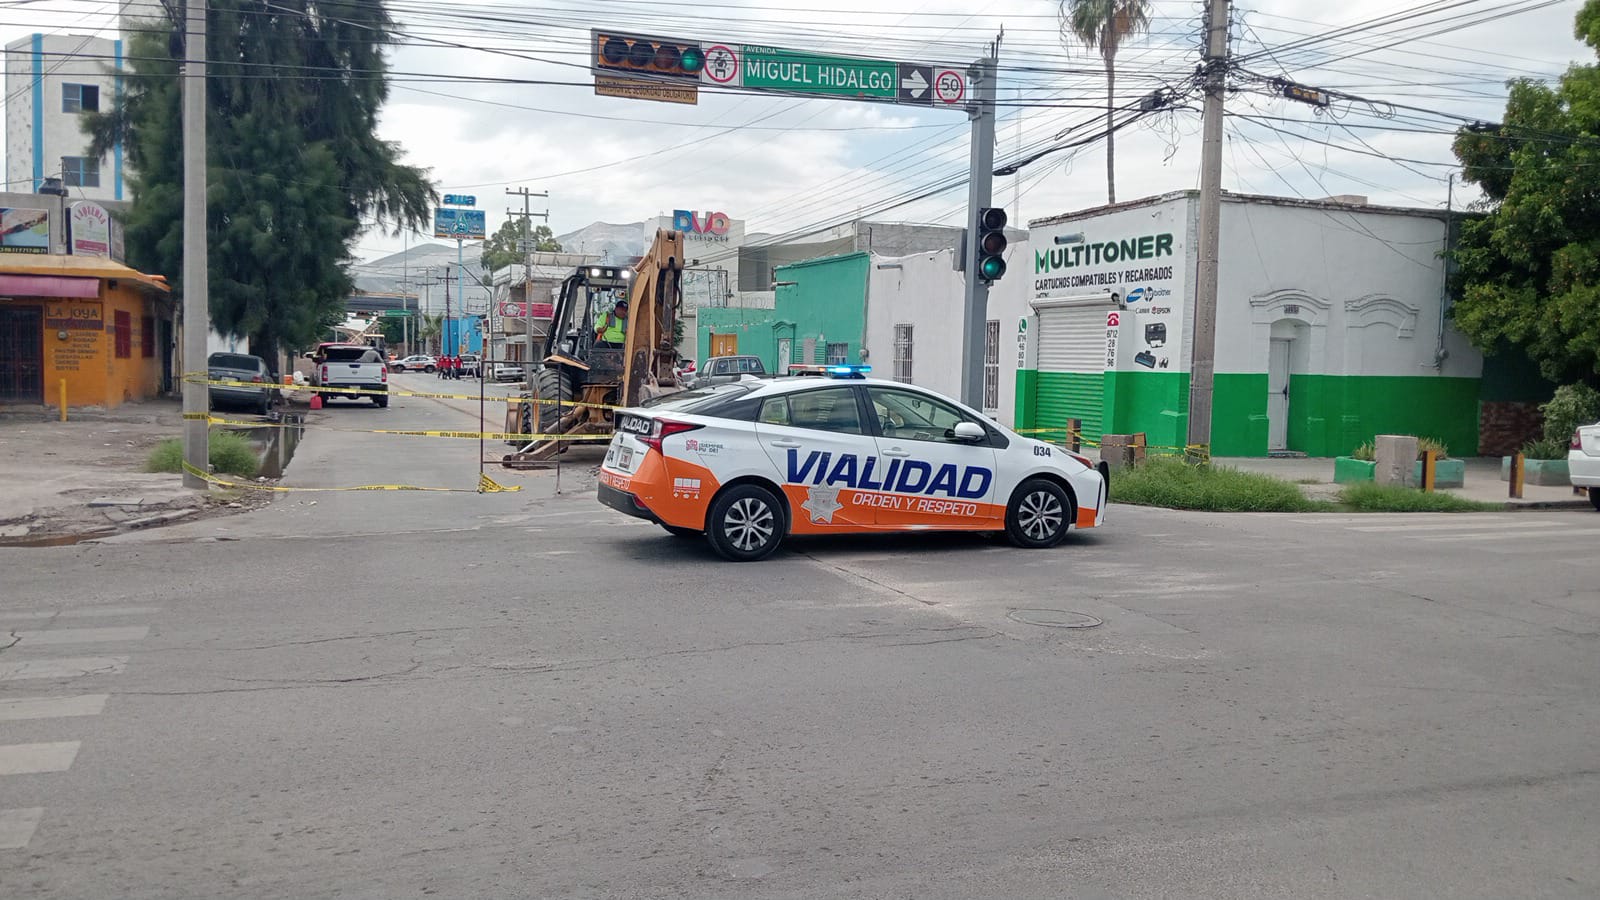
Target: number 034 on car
<point>749,463</point>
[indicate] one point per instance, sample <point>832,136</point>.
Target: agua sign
<point>713,227</point>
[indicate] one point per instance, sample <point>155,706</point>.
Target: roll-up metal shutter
<point>1072,365</point>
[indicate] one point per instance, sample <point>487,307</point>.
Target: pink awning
<point>49,286</point>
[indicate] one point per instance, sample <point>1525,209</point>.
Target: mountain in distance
<point>612,243</point>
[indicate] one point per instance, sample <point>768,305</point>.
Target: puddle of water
<point>54,540</point>
<point>276,446</point>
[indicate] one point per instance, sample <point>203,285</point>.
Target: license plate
<point>636,424</point>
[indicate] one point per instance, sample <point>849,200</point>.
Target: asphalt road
<point>526,695</point>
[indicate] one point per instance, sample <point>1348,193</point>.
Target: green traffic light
<point>694,59</point>
<point>992,267</point>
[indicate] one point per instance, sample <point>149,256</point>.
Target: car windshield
<point>700,398</point>
<point>233,361</point>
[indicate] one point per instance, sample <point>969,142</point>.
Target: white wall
<point>65,58</point>
<point>1367,284</point>
<point>923,291</point>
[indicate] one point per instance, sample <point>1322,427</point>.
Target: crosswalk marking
<point>52,707</point>
<point>1462,525</point>
<point>72,667</point>
<point>92,612</point>
<point>35,759</point>
<point>54,636</point>
<point>1507,536</point>
<point>17,826</point>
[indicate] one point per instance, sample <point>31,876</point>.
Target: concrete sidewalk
<point>1482,482</point>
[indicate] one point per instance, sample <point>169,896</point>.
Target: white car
<point>417,363</point>
<point>1583,461</point>
<point>749,462</point>
<point>505,371</point>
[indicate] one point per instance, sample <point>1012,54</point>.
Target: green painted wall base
<point>1447,473</point>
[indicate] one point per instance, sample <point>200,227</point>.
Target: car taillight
<point>385,376</point>
<point>1577,440</point>
<point>257,379</point>
<point>324,374</point>
<point>663,429</point>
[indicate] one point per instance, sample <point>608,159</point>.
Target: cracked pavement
<point>530,696</point>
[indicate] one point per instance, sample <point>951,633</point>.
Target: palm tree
<point>430,329</point>
<point>1102,26</point>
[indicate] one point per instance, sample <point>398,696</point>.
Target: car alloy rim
<point>748,523</point>
<point>1039,515</point>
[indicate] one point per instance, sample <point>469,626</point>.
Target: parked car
<point>240,367</point>
<point>1583,461</point>
<point>419,362</point>
<point>509,371</point>
<point>350,366</point>
<point>470,364</point>
<point>686,373</point>
<point>723,369</point>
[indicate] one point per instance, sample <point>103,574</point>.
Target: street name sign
<point>791,71</point>
<point>397,313</point>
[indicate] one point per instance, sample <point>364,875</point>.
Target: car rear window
<point>233,361</point>
<point>348,354</point>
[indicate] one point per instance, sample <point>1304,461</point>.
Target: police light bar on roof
<point>848,371</point>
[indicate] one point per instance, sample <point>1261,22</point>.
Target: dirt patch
<point>87,474</point>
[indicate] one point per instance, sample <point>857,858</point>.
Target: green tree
<point>1529,269</point>
<point>502,248</point>
<point>294,165</point>
<point>1103,26</point>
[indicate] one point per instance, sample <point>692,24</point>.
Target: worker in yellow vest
<point>611,328</point>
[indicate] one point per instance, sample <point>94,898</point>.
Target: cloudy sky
<point>496,95</point>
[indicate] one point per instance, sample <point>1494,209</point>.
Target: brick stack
<point>1504,426</point>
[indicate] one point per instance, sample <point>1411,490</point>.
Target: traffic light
<point>991,243</point>
<point>632,54</point>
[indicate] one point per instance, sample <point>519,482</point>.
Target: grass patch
<point>1369,497</point>
<point>1177,485</point>
<point>231,453</point>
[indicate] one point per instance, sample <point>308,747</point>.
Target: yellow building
<point>103,328</point>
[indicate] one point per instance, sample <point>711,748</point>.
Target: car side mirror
<point>968,431</point>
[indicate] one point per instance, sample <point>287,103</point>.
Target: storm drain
<point>1053,618</point>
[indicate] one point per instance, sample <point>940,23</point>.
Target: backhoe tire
<point>555,383</point>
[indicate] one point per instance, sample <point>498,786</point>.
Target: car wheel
<point>1038,515</point>
<point>745,523</point>
<point>381,401</point>
<point>428,369</point>
<point>681,532</point>
<point>1594,498</point>
<point>266,406</point>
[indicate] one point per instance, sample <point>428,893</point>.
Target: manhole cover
<point>1053,618</point>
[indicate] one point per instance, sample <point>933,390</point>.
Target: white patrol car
<point>750,462</point>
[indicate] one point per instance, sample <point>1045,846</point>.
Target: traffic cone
<point>316,401</point>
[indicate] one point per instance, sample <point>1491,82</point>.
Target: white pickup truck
<point>350,366</point>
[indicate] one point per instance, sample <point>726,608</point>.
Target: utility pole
<point>446,346</point>
<point>196,316</point>
<point>527,245</point>
<point>1202,364</point>
<point>981,77</point>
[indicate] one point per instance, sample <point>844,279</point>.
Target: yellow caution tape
<point>473,435</point>
<point>307,388</point>
<point>486,485</point>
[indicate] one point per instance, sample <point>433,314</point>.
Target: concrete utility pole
<point>196,316</point>
<point>527,245</point>
<point>1202,364</point>
<point>981,77</point>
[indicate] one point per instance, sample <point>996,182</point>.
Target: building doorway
<point>21,354</point>
<point>1278,394</point>
<point>785,355</point>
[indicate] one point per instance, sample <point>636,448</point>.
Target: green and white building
<point>1331,325</point>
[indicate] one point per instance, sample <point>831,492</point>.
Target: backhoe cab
<point>581,377</point>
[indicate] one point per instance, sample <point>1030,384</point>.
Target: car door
<point>938,480</point>
<point>819,443</point>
